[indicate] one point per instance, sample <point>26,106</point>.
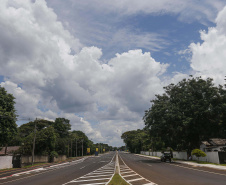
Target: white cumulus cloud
<point>52,75</point>
<point>208,57</point>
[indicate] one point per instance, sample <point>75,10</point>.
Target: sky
<point>98,63</point>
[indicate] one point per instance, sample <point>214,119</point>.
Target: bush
<point>198,153</point>
<point>54,154</point>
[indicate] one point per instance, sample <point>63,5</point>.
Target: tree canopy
<point>187,113</point>
<point>8,126</point>
<point>136,140</point>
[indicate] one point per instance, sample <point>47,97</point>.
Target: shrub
<point>198,153</point>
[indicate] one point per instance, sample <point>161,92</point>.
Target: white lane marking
<point>152,183</point>
<point>198,170</point>
<point>82,167</point>
<point>130,175</point>
<point>28,172</point>
<point>94,183</point>
<point>94,173</point>
<point>126,172</point>
<point>90,180</point>
<point>135,179</point>
<point>95,176</point>
<point>149,165</point>
<point>100,171</point>
<point>44,171</point>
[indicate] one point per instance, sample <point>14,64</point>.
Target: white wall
<point>158,154</point>
<point>6,162</point>
<point>180,155</point>
<point>211,157</point>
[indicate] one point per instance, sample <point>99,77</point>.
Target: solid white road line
<point>130,175</point>
<point>95,183</point>
<point>136,179</point>
<point>95,176</point>
<point>90,180</point>
<point>127,172</point>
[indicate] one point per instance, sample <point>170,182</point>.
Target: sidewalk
<point>219,167</point>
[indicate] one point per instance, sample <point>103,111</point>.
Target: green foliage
<point>53,154</point>
<point>198,153</point>
<point>62,127</point>
<point>136,140</point>
<point>187,113</point>
<point>8,127</point>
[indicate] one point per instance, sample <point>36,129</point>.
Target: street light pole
<point>71,147</point>
<point>82,147</point>
<point>33,150</point>
<point>76,149</point>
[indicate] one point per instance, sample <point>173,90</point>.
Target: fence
<point>212,157</point>
<point>6,162</point>
<point>18,161</point>
<point>26,160</point>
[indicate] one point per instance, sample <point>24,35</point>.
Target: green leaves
<point>136,140</point>
<point>8,127</point>
<point>187,113</point>
<point>198,153</point>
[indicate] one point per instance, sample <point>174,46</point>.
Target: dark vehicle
<point>166,157</point>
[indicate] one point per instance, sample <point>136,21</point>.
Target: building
<point>213,145</point>
<point>10,150</point>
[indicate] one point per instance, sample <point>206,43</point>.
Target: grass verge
<point>117,180</point>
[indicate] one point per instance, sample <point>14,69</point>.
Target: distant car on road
<point>166,157</point>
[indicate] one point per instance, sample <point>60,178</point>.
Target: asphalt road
<point>142,170</point>
<point>66,173</point>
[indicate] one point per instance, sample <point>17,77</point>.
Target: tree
<point>8,126</point>
<point>187,113</point>
<point>198,153</point>
<point>45,137</point>
<point>136,140</point>
<point>62,127</point>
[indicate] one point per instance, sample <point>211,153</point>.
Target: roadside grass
<point>37,164</point>
<point>7,169</point>
<point>117,180</point>
<point>203,162</point>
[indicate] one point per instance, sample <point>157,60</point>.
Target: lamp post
<point>33,150</point>
<point>82,146</point>
<point>76,148</point>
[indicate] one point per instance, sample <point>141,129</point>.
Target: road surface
<point>88,170</point>
<point>142,170</point>
<point>135,169</point>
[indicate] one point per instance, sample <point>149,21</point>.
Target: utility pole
<point>82,147</point>
<point>71,147</point>
<point>33,150</point>
<point>76,148</point>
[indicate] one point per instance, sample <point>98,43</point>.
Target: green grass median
<point>117,180</point>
